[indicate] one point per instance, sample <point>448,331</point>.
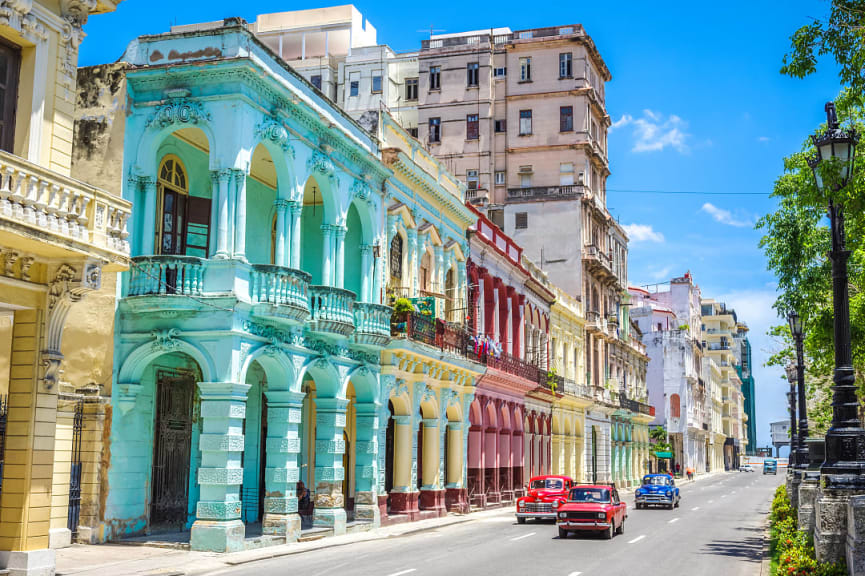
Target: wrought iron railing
<point>75,469</point>
<point>4,414</point>
<point>552,192</point>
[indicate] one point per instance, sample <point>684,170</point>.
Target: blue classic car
<point>657,490</point>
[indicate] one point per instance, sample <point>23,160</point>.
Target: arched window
<point>396,257</point>
<point>675,406</point>
<point>184,223</point>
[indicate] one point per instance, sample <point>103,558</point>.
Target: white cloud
<point>763,139</point>
<point>653,132</point>
<point>725,216</point>
<point>642,233</point>
<point>661,273</point>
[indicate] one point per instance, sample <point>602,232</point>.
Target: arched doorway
<point>390,435</point>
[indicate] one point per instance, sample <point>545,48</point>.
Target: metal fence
<point>4,413</point>
<point>74,514</point>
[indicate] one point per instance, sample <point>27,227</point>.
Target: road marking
<point>514,539</point>
<point>575,574</point>
<point>710,501</point>
<point>637,539</point>
<point>673,520</point>
<point>409,571</point>
<point>695,508</point>
<point>723,495</point>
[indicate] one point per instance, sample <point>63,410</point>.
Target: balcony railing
<point>331,310</point>
<point>155,275</point>
<point>446,336</point>
<point>635,406</point>
<point>546,192</point>
<point>595,255</point>
<point>517,367</point>
<point>58,206</point>
<point>279,286</point>
<point>372,323</point>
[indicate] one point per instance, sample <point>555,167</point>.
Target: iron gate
<point>171,450</point>
<point>4,410</point>
<point>74,513</point>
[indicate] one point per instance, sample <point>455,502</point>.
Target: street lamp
<point>845,441</point>
<point>797,331</point>
<point>791,399</point>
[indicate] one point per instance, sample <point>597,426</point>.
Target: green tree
<point>841,35</point>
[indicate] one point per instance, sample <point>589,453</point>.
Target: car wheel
<point>563,533</point>
<point>677,502</point>
<point>521,520</point>
<point>610,532</point>
<point>621,529</point>
<point>670,506</point>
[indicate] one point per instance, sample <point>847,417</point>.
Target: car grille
<point>654,498</point>
<point>538,507</point>
<point>582,515</point>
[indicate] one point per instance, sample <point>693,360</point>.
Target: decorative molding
<point>271,129</point>
<point>319,162</point>
<point>178,111</point>
<point>361,190</point>
<point>165,340</point>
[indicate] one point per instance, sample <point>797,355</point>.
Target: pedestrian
<point>690,473</point>
<point>678,469</point>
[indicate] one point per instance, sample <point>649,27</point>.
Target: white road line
<point>673,520</point>
<point>723,495</point>
<point>695,508</point>
<point>637,539</point>
<point>710,501</point>
<point>514,539</point>
<point>409,571</point>
<point>575,574</point>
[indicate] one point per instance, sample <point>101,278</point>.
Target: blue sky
<point>698,105</point>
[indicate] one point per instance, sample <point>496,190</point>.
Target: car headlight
<point>556,503</point>
<point>639,492</point>
<point>563,514</point>
<point>521,504</point>
<point>669,493</point>
<point>602,515</point>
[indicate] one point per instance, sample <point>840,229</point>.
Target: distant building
<point>743,367</point>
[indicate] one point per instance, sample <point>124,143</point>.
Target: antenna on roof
<point>432,31</point>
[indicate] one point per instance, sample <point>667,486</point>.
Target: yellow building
<point>60,240</point>
<point>567,361</point>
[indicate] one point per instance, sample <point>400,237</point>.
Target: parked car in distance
<point>657,490</point>
<point>770,466</point>
<point>592,508</point>
<point>746,468</point>
<point>543,497</point>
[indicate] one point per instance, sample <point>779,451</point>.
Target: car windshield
<point>656,480</point>
<point>547,484</point>
<point>589,495</point>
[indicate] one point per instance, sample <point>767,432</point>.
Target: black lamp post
<point>791,400</point>
<point>845,441</point>
<point>796,330</point>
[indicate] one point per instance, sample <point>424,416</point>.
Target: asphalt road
<point>717,530</point>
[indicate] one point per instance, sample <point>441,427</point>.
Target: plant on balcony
<point>552,383</point>
<point>402,307</point>
<point>685,327</point>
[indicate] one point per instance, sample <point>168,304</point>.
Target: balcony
<point>517,367</point>
<point>635,406</point>
<point>447,337</point>
<point>60,212</point>
<point>597,260</point>
<point>596,324</point>
<point>478,197</point>
<point>534,193</point>
<point>279,293</point>
<point>371,324</point>
<point>331,310</point>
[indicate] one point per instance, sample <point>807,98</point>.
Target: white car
<point>745,468</point>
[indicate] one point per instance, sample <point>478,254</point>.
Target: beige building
<point>61,241</point>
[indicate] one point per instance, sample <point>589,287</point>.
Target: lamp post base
<point>807,496</point>
<point>831,538</point>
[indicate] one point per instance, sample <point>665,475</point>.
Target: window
<point>10,63</point>
<point>184,220</point>
<point>412,131</point>
<point>472,72</point>
<point>526,69</point>
<point>316,81</point>
<point>525,122</point>
<point>353,88</point>
<point>526,35</point>
<point>675,406</point>
<point>435,75</point>
<point>525,180</point>
<point>500,178</point>
<point>566,174</point>
<point>435,129</point>
<point>396,256</point>
<point>472,127</point>
<point>566,119</point>
<point>411,88</point>
<point>500,72</point>
<point>376,83</point>
<point>472,179</point>
<point>521,220</point>
<point>594,130</point>
<point>565,65</point>
<point>501,125</point>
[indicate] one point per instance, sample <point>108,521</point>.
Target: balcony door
<point>10,64</point>
<point>184,225</point>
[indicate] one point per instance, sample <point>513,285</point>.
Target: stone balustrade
<point>154,275</point>
<point>66,210</point>
<point>372,323</point>
<point>331,310</point>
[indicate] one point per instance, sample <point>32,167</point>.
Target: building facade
<point>746,375</point>
<point>62,243</point>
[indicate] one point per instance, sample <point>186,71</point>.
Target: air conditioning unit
<point>581,178</point>
<point>525,170</point>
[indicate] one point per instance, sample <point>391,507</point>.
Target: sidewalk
<point>136,560</point>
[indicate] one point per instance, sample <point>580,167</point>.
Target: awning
<point>664,454</point>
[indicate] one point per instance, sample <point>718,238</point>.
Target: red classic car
<point>592,508</point>
<point>543,497</point>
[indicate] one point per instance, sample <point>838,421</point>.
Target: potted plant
<point>402,307</point>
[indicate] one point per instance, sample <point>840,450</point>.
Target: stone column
<point>366,273</point>
<point>377,262</point>
<point>296,209</point>
<point>284,409</point>
<point>218,527</point>
<point>510,322</point>
<point>431,496</point>
<point>222,178</point>
<point>327,255</point>
<point>411,261</point>
<point>403,496</point>
<point>330,421</point>
<point>240,215</point>
<point>282,223</point>
<point>367,450</point>
<point>148,238</point>
<point>339,256</point>
<point>383,420</point>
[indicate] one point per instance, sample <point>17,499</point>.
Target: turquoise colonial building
<point>249,340</point>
